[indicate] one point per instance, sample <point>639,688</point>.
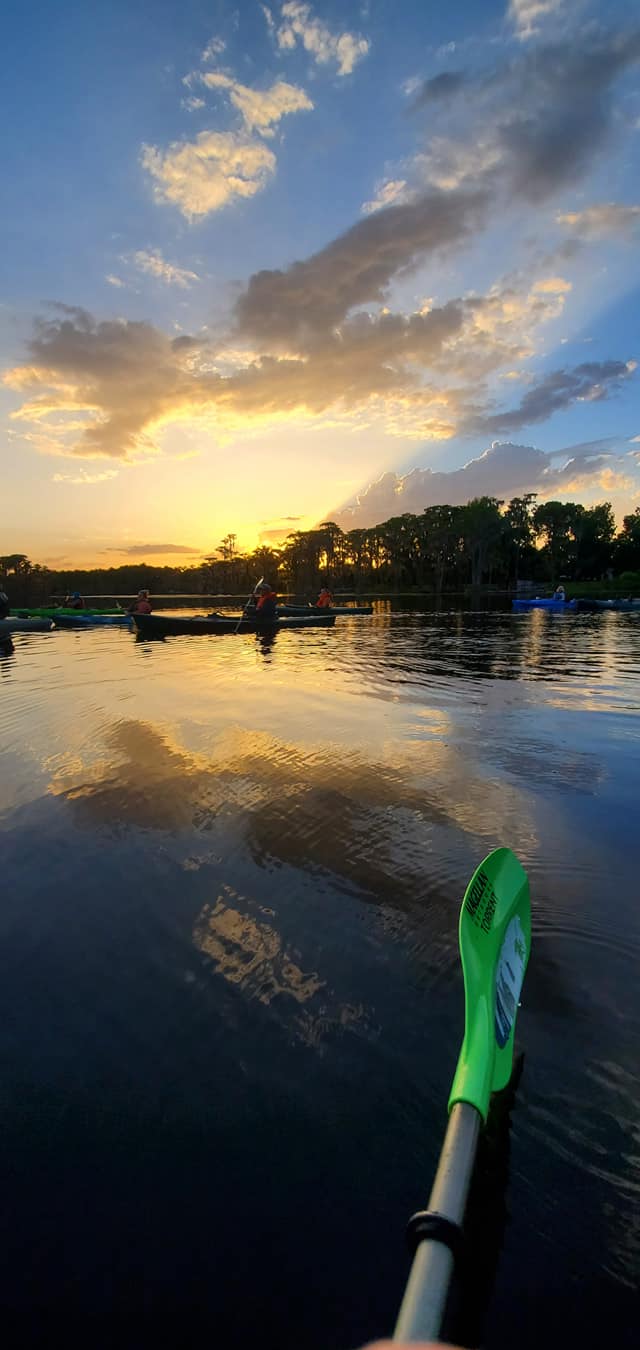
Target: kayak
<point>49,612</point>
<point>334,609</point>
<point>597,606</point>
<point>83,620</point>
<point>160,625</point>
<point>14,625</point>
<point>556,606</point>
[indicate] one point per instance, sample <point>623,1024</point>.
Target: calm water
<point>231,1004</point>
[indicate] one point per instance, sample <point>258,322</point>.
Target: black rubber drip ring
<point>426,1226</point>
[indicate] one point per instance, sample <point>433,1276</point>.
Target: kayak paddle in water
<point>495,941</point>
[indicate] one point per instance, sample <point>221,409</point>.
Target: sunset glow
<point>325,261</point>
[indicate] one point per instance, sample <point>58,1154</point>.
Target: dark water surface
<point>231,1005</point>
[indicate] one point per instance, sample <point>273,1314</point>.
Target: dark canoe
<point>168,625</point>
<point>598,606</point>
<point>335,609</point>
<point>14,625</point>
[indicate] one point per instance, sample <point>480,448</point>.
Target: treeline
<point>443,548</point>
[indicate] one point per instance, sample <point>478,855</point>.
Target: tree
<point>519,539</point>
<point>483,527</point>
<point>443,540</point>
<point>594,530</point>
<point>627,545</point>
<point>265,561</point>
<point>17,564</point>
<point>554,523</point>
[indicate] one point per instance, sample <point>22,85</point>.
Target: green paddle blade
<point>495,940</point>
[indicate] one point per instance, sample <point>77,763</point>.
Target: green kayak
<point>49,612</point>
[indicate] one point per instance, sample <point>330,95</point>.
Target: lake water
<point>231,1003</point>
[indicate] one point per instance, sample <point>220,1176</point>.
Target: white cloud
<point>153,263</point>
<point>208,173</point>
<point>299,25</point>
<point>215,47</point>
<point>385,195</point>
<point>260,109</point>
<point>268,18</point>
<point>83,477</point>
<point>504,470</point>
<point>192,104</point>
<point>527,16</point>
<point>597,222</point>
<point>113,280</point>
<point>552,286</point>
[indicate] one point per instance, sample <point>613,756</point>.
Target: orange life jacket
<point>266,596</point>
<point>324,601</point>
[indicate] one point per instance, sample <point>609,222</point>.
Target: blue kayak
<point>80,620</point>
<point>556,606</point>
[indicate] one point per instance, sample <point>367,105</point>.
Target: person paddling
<point>560,593</point>
<point>141,604</point>
<point>74,601</point>
<point>267,602</point>
<point>325,599</point>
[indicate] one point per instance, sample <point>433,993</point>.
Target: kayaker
<point>325,599</point>
<point>267,602</point>
<point>141,604</point>
<point>74,601</point>
<point>560,593</point>
<point>4,605</point>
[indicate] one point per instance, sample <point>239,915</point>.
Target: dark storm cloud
<point>593,381</point>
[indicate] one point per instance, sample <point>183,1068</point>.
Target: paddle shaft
<point>425,1297</point>
<point>258,583</point>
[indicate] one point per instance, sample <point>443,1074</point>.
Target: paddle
<point>495,940</point>
<point>258,583</point>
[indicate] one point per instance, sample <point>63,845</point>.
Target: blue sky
<point>260,263</point>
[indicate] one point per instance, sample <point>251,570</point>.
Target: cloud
<point>528,16</point>
<point>83,477</point>
<point>153,263</point>
<point>210,172</point>
<point>147,550</point>
<point>602,221</point>
<point>591,382</point>
<point>113,280</point>
<point>386,194</point>
<point>108,388</point>
<point>535,121</point>
<point>261,110</point>
<point>552,286</point>
<point>215,47</point>
<point>354,269</point>
<point>298,25</point>
<point>192,104</point>
<point>438,88</point>
<point>505,470</point>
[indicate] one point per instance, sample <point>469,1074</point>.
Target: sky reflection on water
<point>231,875</point>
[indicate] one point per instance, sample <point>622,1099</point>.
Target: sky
<point>267,265</point>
